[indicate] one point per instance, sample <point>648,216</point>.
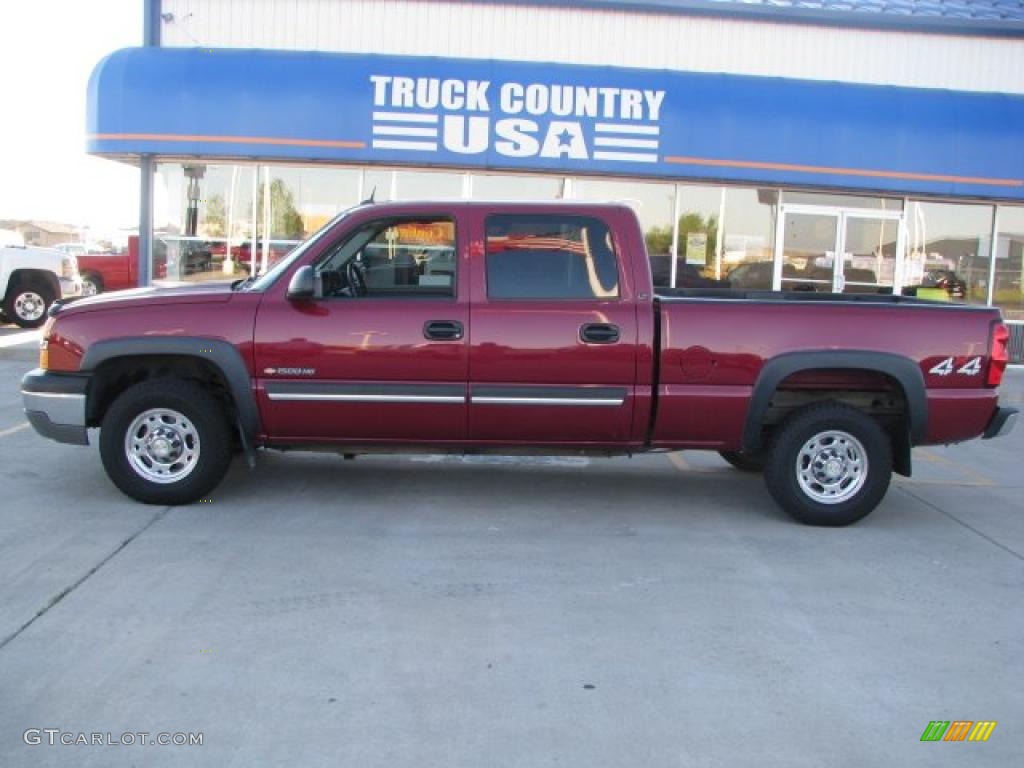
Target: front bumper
<point>1001,423</point>
<point>55,405</point>
<point>70,288</point>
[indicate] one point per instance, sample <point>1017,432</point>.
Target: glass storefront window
<point>748,238</point>
<point>507,187</point>
<point>196,206</point>
<point>948,246</point>
<point>315,195</point>
<point>1008,287</point>
<point>427,185</point>
<point>843,201</point>
<point>700,210</point>
<point>382,186</point>
<point>653,204</point>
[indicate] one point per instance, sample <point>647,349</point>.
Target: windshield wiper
<point>240,285</point>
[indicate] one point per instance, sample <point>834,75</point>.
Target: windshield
<point>268,278</point>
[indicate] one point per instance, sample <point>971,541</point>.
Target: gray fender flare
<point>221,354</point>
<point>904,370</point>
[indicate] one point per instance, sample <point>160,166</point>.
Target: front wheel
<point>830,464</point>
<point>165,441</point>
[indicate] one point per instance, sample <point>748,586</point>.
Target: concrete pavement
<point>506,612</point>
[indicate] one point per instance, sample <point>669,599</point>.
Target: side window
<point>550,257</point>
<point>394,259</point>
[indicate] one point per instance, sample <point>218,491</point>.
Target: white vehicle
<point>31,279</point>
<point>74,249</point>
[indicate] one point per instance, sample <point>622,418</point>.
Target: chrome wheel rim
<point>89,288</point>
<point>832,467</point>
<point>162,445</point>
<point>29,305</point>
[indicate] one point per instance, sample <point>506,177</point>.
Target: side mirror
<point>301,287</point>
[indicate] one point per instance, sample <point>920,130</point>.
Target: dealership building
<point>849,145</point>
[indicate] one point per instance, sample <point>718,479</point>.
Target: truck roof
<point>489,203</point>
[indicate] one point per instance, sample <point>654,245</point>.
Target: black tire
<point>849,489</point>
<point>92,284</point>
<point>744,462</point>
<point>21,306</point>
<point>202,426</point>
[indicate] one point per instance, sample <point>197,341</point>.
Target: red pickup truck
<point>118,270</point>
<point>509,328</point>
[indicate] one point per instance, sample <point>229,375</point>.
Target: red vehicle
<point>478,327</point>
<point>109,271</point>
<point>118,270</point>
<point>242,253</point>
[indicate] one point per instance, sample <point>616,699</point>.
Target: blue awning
<point>394,110</point>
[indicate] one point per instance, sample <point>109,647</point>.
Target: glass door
<point>806,250</point>
<point>870,245</point>
<point>838,250</point>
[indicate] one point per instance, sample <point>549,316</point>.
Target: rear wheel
<point>91,284</point>
<point>830,464</point>
<point>165,441</point>
<point>743,461</point>
<point>27,302</point>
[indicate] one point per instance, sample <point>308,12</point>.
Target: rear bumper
<point>1001,423</point>
<point>55,405</point>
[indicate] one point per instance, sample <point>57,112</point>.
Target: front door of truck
<point>380,355</point>
<point>554,346</point>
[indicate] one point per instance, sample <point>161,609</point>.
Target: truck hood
<point>152,296</point>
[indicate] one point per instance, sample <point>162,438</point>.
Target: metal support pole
<point>150,37</point>
<point>255,218</point>
<point>145,265</point>
<point>151,23</point>
<point>267,221</point>
<point>993,251</point>
<point>674,248</point>
<point>720,239</point>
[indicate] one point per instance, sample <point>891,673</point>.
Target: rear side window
<point>550,257</point>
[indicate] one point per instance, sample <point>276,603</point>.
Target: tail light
<point>1000,354</point>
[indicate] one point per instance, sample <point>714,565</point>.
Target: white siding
<point>607,38</point>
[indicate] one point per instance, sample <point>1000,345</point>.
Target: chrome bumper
<point>55,405</point>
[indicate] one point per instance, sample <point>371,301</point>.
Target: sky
<point>48,49</point>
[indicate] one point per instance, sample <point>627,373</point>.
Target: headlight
<point>69,267</point>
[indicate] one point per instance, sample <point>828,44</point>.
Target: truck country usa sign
<point>470,117</point>
<point>396,111</point>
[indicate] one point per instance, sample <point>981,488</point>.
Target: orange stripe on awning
<point>229,140</point>
<point>843,171</point>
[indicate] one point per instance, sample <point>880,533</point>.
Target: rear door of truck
<point>554,328</point>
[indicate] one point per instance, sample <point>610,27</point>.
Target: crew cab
<point>32,278</point>
<point>509,328</point>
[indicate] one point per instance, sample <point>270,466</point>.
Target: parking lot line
<point>976,478</point>
<point>17,339</point>
<point>680,463</point>
<point>677,460</point>
<point>12,430</point>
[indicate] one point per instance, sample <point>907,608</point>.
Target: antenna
<point>370,200</point>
